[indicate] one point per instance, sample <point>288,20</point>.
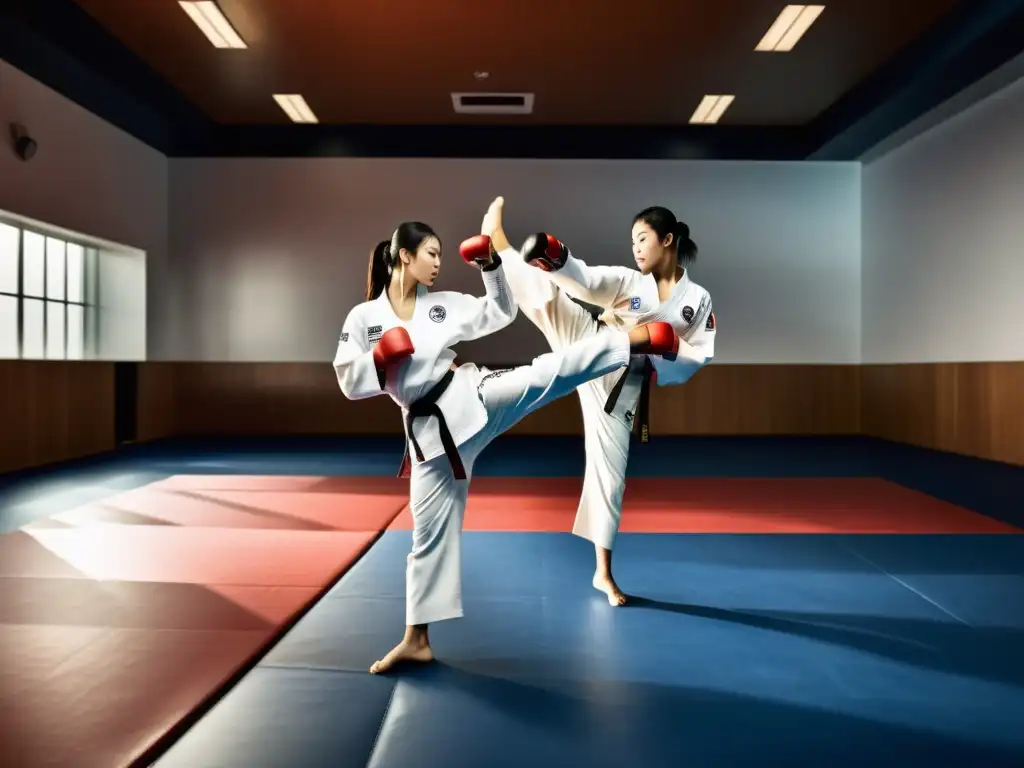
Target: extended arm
<point>600,285</point>
<point>495,310</point>
<point>354,364</point>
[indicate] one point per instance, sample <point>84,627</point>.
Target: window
<point>47,289</point>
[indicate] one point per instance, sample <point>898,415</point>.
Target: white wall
<point>93,179</point>
<point>274,251</point>
<point>122,304</point>
<point>943,234</point>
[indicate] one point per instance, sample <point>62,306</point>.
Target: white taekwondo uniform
<point>610,403</point>
<point>451,416</point>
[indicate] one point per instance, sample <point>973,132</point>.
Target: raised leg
<point>559,318</point>
<point>511,395</point>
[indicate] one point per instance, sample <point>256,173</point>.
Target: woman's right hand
<point>392,348</point>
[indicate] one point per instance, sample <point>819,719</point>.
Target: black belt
<point>644,405</point>
<point>427,406</point>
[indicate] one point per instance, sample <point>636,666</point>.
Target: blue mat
<point>742,650</point>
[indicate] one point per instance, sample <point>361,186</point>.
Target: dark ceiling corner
<point>976,38</point>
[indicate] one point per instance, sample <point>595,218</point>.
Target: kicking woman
<point>398,342</point>
<point>658,290</point>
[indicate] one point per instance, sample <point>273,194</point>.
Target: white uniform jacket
<point>440,320</point>
<point>630,298</point>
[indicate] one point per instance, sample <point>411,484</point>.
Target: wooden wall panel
<point>156,406</point>
<point>761,400</point>
<point>197,399</point>
<point>975,409</point>
<point>53,411</point>
<point>280,398</point>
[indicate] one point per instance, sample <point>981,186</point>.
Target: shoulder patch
<point>634,303</point>
<point>710,324</point>
<point>344,336</point>
<point>437,313</point>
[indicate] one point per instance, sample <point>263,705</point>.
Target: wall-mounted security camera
<point>24,145</point>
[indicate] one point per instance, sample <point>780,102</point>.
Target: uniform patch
<point>373,334</point>
<point>437,313</point>
<point>688,313</point>
<point>710,324</point>
<point>634,304</point>
<point>344,336</point>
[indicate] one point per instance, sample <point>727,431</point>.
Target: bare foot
<point>404,652</point>
<point>606,584</point>
<point>492,219</point>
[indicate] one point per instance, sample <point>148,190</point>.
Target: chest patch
<point>687,313</point>
<point>373,334</point>
<point>437,313</point>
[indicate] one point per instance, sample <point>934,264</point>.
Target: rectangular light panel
<point>711,109</point>
<point>295,107</point>
<point>792,23</point>
<point>218,30</point>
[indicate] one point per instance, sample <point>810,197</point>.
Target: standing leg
<point>433,576</point>
<point>564,322</point>
<point>604,483</point>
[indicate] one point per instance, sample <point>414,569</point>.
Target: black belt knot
<point>644,405</point>
<point>427,406</point>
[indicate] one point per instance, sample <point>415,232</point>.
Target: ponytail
<point>379,274</point>
<point>686,249</point>
<point>408,237</point>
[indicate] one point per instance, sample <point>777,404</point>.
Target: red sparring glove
<point>664,340</point>
<point>544,252</point>
<point>476,250</point>
<point>392,348</point>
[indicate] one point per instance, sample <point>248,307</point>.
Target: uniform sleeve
<point>600,285</point>
<point>496,309</point>
<point>694,354</point>
<point>353,362</point>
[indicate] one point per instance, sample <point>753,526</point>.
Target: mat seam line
<point>312,668</point>
<point>380,728</point>
<point>165,741</point>
<point>905,585</point>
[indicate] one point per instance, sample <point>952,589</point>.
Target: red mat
<point>722,505</point>
<point>120,617</point>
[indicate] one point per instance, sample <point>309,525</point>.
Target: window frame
<point>90,289</point>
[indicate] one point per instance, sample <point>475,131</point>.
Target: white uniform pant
<point>606,438</point>
<point>438,500</point>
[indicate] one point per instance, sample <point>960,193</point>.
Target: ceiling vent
<point>493,103</point>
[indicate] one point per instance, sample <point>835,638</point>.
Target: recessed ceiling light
<point>711,109</point>
<point>209,18</point>
<point>792,23</point>
<point>295,107</point>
